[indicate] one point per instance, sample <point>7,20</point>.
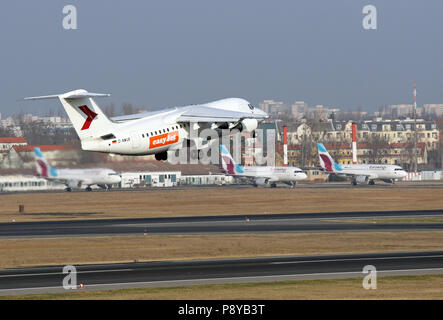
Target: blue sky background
<point>165,53</point>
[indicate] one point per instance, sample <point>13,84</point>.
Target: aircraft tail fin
<point>42,165</point>
<point>88,119</point>
<point>228,163</point>
<point>326,161</point>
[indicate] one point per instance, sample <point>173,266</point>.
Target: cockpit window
<point>251,106</point>
<point>398,169</point>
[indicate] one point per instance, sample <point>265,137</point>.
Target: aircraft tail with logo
<point>88,119</point>
<point>326,161</point>
<point>42,165</point>
<point>228,163</point>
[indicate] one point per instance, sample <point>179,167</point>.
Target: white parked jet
<point>75,178</point>
<point>152,132</point>
<point>261,175</point>
<point>360,173</point>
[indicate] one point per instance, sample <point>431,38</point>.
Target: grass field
<point>24,252</point>
<point>84,250</point>
<point>214,201</point>
<point>404,287</point>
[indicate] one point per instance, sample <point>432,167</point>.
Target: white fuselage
<point>86,177</point>
<point>273,174</point>
<point>374,171</point>
<point>156,132</point>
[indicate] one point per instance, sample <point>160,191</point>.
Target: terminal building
<point>130,180</point>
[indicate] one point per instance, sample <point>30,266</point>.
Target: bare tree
<point>109,110</point>
<point>128,109</point>
<point>6,132</point>
<point>39,133</point>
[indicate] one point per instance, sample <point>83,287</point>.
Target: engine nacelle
<point>361,179</point>
<point>247,125</point>
<point>74,184</point>
<point>261,181</point>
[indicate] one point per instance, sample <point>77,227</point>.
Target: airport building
<point>131,180</point>
<point>18,182</point>
<point>213,179</point>
<point>387,131</point>
<point>160,179</point>
<point>143,179</point>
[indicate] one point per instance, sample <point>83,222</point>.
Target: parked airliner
<point>75,178</point>
<point>360,173</point>
<point>153,132</point>
<point>261,175</point>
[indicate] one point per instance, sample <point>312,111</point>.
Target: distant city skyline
<point>170,53</point>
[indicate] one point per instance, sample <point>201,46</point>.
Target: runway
<point>270,223</point>
<point>179,273</point>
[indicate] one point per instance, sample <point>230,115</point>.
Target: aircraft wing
<point>137,116</point>
<point>207,114</point>
<point>196,113</point>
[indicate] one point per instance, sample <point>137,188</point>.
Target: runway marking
<point>355,259</point>
<point>61,273</point>
<point>218,279</point>
<point>257,219</point>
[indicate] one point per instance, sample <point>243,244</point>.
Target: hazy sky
<point>165,53</point>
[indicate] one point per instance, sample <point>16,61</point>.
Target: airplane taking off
<point>261,175</point>
<point>360,173</point>
<point>74,178</point>
<point>152,132</point>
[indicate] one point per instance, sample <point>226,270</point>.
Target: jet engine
<point>247,125</point>
<point>261,181</point>
<point>362,179</point>
<point>74,184</point>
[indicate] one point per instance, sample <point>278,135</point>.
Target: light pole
<point>415,128</point>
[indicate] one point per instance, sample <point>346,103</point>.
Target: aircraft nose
<point>260,112</point>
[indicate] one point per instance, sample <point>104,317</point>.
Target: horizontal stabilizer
<point>76,94</point>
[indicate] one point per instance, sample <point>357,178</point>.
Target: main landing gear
<point>161,156</point>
